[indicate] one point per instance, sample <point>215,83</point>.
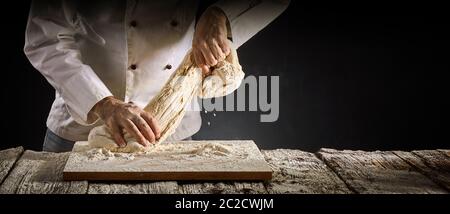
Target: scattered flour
<point>209,160</point>
<point>104,154</point>
<point>170,156</point>
<point>164,149</point>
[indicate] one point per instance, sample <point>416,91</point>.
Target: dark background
<point>352,76</point>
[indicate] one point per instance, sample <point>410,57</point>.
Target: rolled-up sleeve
<point>51,47</point>
<point>248,17</point>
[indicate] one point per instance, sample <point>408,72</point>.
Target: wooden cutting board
<point>184,160</point>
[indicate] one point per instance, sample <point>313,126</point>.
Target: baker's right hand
<point>119,116</point>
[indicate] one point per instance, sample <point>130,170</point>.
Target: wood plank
<point>172,187</point>
<point>250,187</point>
<point>445,151</point>
<point>377,172</point>
<point>433,167</point>
<point>40,172</point>
<point>169,187</point>
<point>434,159</point>
<point>301,172</point>
<point>184,160</point>
<point>7,159</point>
<point>222,188</point>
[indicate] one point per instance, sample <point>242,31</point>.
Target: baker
<point>108,59</point>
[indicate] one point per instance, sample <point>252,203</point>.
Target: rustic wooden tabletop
<point>295,171</point>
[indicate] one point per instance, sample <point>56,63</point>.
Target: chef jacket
<point>89,50</point>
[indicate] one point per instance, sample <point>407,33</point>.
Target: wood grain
<point>377,172</point>
<point>434,159</point>
<point>422,171</point>
<point>7,159</point>
<point>173,187</point>
<point>40,172</point>
<point>169,187</point>
<point>434,164</point>
<point>301,172</point>
<point>223,188</point>
<point>445,151</point>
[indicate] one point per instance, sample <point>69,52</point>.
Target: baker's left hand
<point>210,44</point>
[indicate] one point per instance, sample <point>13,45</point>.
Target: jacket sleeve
<point>51,47</point>
<point>248,17</point>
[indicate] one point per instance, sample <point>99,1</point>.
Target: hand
<point>118,115</point>
<point>210,44</point>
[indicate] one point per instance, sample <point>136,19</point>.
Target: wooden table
<point>295,171</point>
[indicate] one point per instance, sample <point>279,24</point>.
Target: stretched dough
<point>168,106</point>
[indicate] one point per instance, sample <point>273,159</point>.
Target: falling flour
<point>168,106</point>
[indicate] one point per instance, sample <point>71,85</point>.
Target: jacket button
<point>133,23</point>
<point>168,66</point>
<point>133,67</point>
<point>174,23</point>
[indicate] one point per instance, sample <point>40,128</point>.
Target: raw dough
<point>168,106</point>
<point>99,137</point>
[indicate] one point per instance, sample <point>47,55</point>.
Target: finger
<point>207,55</point>
<point>144,128</point>
<point>200,61</point>
<point>153,124</point>
<point>217,51</point>
<point>118,135</point>
<point>134,131</point>
<point>225,46</point>
<point>205,70</point>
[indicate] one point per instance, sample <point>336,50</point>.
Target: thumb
<point>205,70</point>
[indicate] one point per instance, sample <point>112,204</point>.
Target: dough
<point>224,79</point>
<point>168,106</point>
<point>99,137</point>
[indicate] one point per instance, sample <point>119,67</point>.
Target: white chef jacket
<point>88,50</point>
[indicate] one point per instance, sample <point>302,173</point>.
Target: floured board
<point>184,160</point>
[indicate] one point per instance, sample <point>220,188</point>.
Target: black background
<point>353,76</point>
